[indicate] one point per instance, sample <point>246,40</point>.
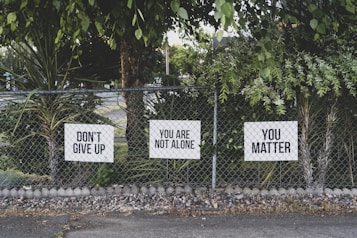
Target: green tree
<point>44,28</point>
<point>46,65</point>
<point>324,70</point>
<point>311,56</point>
<point>304,51</point>
<point>129,24</point>
<point>134,26</point>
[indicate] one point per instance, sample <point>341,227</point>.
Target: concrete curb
<point>127,190</point>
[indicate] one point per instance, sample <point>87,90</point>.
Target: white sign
<point>271,141</point>
<point>89,143</point>
<point>175,139</point>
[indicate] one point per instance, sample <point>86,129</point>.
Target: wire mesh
<point>33,140</point>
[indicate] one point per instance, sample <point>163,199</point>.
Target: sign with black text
<point>271,141</point>
<point>89,143</point>
<point>175,139</point>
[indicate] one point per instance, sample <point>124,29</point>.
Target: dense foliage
<point>291,55</point>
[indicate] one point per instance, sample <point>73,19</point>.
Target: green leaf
<point>23,4</point>
<point>313,24</point>
<point>268,45</point>
<point>223,21</point>
<point>350,8</point>
<point>57,4</point>
<point>294,20</point>
<point>13,26</point>
<point>312,8</point>
<point>335,26</point>
<point>219,35</point>
<point>112,43</point>
<point>219,3</point>
<point>268,55</point>
<point>99,27</point>
<point>146,40</point>
<point>138,33</point>
<point>242,22</point>
<point>175,5</point>
<point>59,36</point>
<point>321,29</point>
<point>316,36</point>
<point>85,23</point>
<point>91,2</point>
<point>181,12</point>
<point>134,20</point>
<point>265,73</point>
<point>76,34</point>
<point>141,14</point>
<point>129,4</point>
<point>218,15</point>
<point>228,9</point>
<point>11,17</point>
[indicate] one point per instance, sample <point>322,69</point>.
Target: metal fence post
<point>214,159</point>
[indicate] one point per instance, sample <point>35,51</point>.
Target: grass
<point>12,177</point>
<point>121,151</point>
<point>120,130</point>
<point>108,109</point>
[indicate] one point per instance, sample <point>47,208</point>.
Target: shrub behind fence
<point>32,141</point>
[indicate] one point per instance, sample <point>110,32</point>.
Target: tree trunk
<point>53,158</point>
<point>323,159</point>
<point>132,77</point>
<point>304,111</point>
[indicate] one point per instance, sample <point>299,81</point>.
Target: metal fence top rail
<point>119,90</point>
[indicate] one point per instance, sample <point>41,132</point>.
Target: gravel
<point>183,200</point>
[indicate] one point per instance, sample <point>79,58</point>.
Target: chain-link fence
<point>173,135</point>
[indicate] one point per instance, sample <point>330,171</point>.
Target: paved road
<point>145,226</point>
<point>247,226</point>
<point>32,226</point>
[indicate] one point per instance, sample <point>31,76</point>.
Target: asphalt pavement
<point>33,226</point>
<point>145,226</point>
